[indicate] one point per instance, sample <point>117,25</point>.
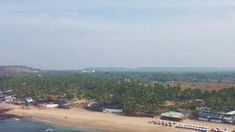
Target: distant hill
<point>17,69</point>
<point>159,69</point>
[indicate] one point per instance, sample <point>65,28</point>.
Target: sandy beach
<point>80,118</point>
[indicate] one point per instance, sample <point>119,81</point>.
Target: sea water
<point>26,125</point>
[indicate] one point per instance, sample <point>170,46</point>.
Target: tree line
<point>135,95</point>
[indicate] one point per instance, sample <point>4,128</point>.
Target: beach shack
<point>7,96</point>
<point>18,102</point>
<point>95,106</point>
<point>48,106</point>
<point>174,116</point>
<point>216,117</point>
<point>206,114</point>
<point>203,114</point>
<point>107,110</point>
<point>114,107</point>
<point>64,105</point>
<point>7,92</point>
<point>28,101</point>
<point>229,117</point>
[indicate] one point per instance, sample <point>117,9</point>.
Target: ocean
<point>26,125</point>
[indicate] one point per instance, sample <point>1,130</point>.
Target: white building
<point>229,117</point>
<point>7,96</point>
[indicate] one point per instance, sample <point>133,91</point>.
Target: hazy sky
<point>73,34</point>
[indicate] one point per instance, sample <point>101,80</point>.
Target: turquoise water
<point>25,125</point>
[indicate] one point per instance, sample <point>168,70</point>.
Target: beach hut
<point>174,116</point>
<point>112,110</point>
<point>7,92</point>
<point>216,117</point>
<point>229,117</point>
<point>65,105</point>
<point>7,96</point>
<point>29,101</point>
<point>49,105</point>
<point>18,102</point>
<point>206,114</point>
<point>95,106</point>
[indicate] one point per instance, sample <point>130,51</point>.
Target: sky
<point>74,34</point>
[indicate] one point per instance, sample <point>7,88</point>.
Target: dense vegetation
<point>135,91</point>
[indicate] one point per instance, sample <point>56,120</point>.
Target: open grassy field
<point>204,85</point>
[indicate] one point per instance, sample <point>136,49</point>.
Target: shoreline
<point>98,121</point>
<point>4,115</point>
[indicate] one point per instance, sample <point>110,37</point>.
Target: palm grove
<point>138,93</point>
